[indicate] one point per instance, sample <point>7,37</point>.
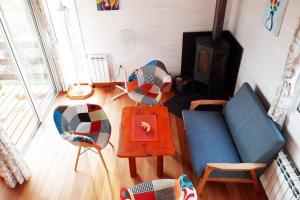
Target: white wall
<point>265,56</point>
<point>158,24</point>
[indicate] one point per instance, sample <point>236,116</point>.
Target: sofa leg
<point>204,179</point>
<point>255,181</point>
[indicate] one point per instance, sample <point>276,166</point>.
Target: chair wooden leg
<point>78,154</point>
<point>255,181</point>
<point>111,144</point>
<point>103,161</point>
<point>204,179</point>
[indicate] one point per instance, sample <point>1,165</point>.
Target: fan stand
<point>124,89</point>
<point>127,40</point>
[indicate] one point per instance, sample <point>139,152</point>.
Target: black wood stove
<point>212,56</point>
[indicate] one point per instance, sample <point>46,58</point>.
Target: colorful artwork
<point>107,4</point>
<point>273,15</point>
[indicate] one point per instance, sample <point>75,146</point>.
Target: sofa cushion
<point>209,141</point>
<point>255,135</point>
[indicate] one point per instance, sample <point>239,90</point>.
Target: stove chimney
<point>219,20</point>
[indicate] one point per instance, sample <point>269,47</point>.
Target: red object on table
<point>138,132</point>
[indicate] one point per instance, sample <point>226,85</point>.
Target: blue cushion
<point>255,135</point>
<point>209,141</point>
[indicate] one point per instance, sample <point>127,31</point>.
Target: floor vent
<point>98,68</point>
<point>281,180</point>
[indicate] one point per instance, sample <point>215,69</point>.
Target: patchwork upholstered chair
<point>146,85</point>
<point>85,126</point>
<point>171,189</point>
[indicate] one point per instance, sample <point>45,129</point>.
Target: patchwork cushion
<point>146,94</point>
<point>156,189</point>
<point>133,75</point>
<point>147,83</point>
<point>161,189</point>
<point>209,141</point>
<point>83,123</point>
<point>255,135</point>
<point>148,74</point>
<point>157,63</point>
<point>187,189</point>
<point>161,77</point>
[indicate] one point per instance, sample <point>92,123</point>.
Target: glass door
<point>26,83</point>
<point>17,115</point>
<point>25,38</point>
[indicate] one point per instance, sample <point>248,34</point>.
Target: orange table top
<point>163,146</point>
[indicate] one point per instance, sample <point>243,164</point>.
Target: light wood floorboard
<point>51,161</point>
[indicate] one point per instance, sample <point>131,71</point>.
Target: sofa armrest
<point>236,166</point>
<point>196,103</point>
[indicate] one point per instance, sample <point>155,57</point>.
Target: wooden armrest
<point>196,103</point>
<point>251,167</point>
<point>236,166</point>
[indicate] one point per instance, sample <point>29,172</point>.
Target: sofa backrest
<point>256,136</point>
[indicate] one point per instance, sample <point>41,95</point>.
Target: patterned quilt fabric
<point>83,123</point>
<point>147,83</point>
<point>187,190</point>
<point>170,189</point>
<point>147,94</point>
<point>13,168</point>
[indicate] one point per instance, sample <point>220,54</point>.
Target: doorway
<point>27,88</point>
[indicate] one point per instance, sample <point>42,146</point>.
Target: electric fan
<point>126,39</point>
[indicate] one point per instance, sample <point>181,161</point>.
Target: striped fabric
<point>281,180</point>
<point>147,84</point>
<point>83,123</point>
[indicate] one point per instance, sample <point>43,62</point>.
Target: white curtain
<point>41,9</point>
<point>70,23</point>
<point>12,167</point>
<point>285,92</point>
<point>63,29</point>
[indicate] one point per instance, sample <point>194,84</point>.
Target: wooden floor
<point>16,113</point>
<point>51,160</point>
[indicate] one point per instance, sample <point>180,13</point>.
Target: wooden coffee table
<point>159,148</point>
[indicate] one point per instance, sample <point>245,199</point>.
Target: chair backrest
<point>256,136</point>
<point>172,189</point>
<point>153,72</point>
<point>82,123</point>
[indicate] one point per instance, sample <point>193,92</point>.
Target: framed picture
<point>274,14</point>
<point>107,5</point>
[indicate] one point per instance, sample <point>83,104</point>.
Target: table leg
<point>160,166</point>
<point>132,166</point>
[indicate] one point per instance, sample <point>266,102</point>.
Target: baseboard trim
<point>108,84</point>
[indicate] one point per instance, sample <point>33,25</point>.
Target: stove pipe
<point>219,20</point>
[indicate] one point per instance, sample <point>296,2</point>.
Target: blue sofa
<point>235,144</point>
